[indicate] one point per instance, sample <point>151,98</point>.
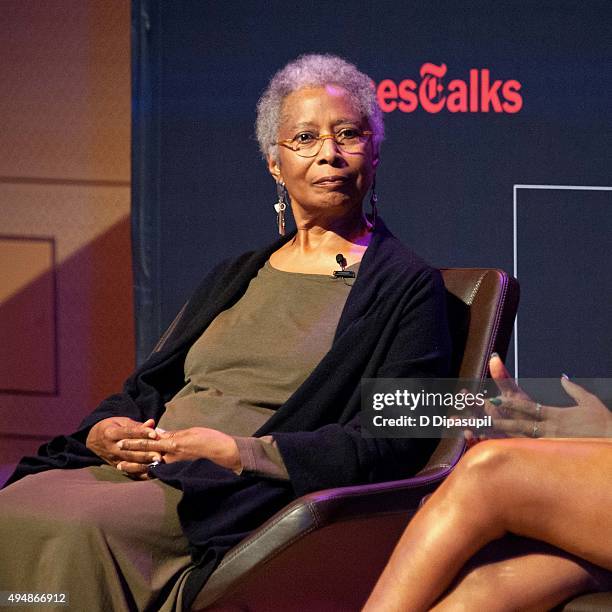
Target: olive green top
<point>254,355</point>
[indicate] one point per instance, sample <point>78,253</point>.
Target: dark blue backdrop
<point>446,181</point>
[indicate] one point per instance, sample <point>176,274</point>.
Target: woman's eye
<point>348,134</point>
<point>305,138</point>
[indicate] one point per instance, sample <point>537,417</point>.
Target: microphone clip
<point>344,273</point>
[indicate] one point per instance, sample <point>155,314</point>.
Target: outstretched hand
<point>517,415</point>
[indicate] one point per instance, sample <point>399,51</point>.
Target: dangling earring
<point>280,207</point>
<point>373,203</point>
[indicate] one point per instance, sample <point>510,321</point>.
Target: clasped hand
<point>131,446</point>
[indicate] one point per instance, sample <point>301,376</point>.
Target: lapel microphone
<point>344,273</point>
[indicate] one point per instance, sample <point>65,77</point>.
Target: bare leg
<point>521,574</point>
<point>541,489</point>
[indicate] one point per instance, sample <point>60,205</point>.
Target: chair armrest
<point>590,602</point>
<point>387,506</point>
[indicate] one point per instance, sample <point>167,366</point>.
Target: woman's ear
<point>274,169</point>
<point>375,160</point>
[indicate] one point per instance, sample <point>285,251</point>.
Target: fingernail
<point>496,401</point>
<point>120,444</point>
<point>152,435</point>
<point>494,354</point>
<point>119,466</point>
<point>564,375</point>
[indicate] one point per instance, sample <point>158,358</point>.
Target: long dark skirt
<point>109,542</point>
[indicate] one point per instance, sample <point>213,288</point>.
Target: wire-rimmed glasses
<point>308,144</point>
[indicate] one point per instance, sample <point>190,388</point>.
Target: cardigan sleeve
<point>337,455</point>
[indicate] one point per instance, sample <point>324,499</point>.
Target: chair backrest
<point>325,550</point>
<point>482,305</point>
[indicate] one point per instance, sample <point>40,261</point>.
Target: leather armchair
<point>589,602</point>
<point>325,550</point>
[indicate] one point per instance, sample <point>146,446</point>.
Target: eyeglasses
<point>307,144</point>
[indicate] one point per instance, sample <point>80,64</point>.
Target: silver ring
<point>534,431</point>
<point>539,411</point>
<point>150,466</point>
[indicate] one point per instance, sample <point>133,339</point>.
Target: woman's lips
<point>332,181</point>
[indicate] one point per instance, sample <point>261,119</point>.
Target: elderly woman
<point>548,500</point>
<point>253,397</point>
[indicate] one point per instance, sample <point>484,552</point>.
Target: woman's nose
<point>329,150</point>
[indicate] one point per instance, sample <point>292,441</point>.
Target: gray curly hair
<point>315,70</point>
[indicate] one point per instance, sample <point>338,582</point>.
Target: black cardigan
<point>393,325</point>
